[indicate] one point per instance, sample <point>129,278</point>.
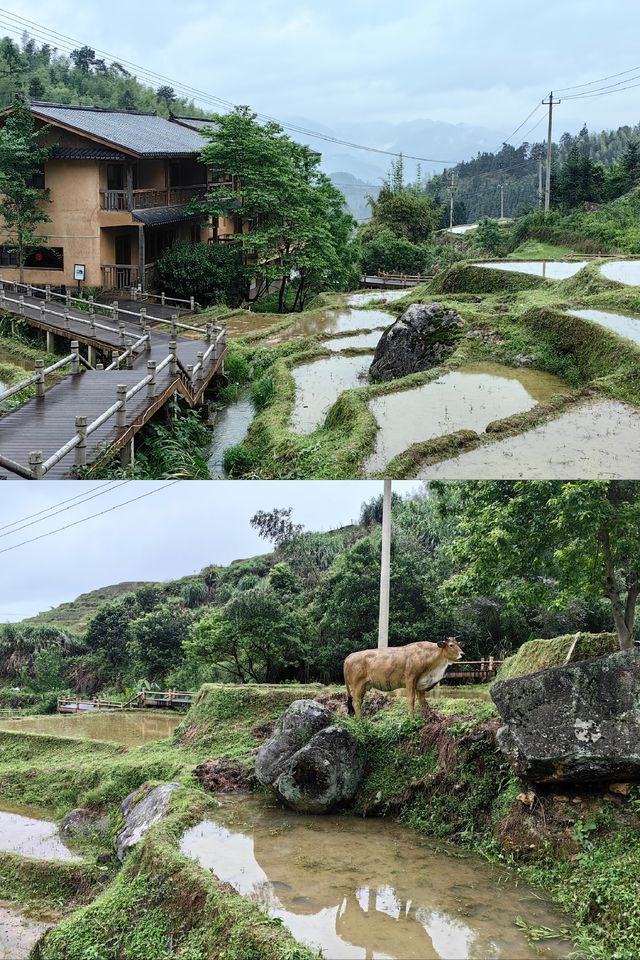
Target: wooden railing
<point>147,197</point>
<point>473,671</point>
<point>154,698</point>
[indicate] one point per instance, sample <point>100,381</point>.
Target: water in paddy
<point>19,931</point>
<point>23,831</point>
<point>341,321</point>
<point>319,384</point>
<point>361,299</point>
<point>130,729</point>
<point>361,341</point>
<point>628,327</point>
<point>370,889</point>
<point>551,269</point>
<point>624,271</point>
<point>462,228</point>
<point>466,399</point>
<point>597,441</point>
<point>231,427</point>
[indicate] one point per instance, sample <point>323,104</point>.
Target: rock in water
<point>578,722</point>
<point>420,339</point>
<point>140,811</point>
<point>312,765</point>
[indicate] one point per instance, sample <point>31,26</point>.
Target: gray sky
<point>172,533</point>
<point>482,64</point>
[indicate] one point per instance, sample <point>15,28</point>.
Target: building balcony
<point>122,276</point>
<point>119,200</point>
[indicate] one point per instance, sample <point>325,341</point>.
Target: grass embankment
<point>443,776</point>
<point>17,362</point>
<point>509,317</point>
<point>541,654</point>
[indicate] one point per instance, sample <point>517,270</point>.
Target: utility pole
<point>452,190</point>
<point>540,181</point>
<point>547,189</point>
<point>385,569</point>
<point>501,185</point>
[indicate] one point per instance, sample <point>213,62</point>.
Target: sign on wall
<point>78,272</point>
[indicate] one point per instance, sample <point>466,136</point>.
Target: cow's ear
<point>442,643</point>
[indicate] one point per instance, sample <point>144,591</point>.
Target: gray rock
<point>140,811</point>
<point>77,822</point>
<point>579,722</point>
<point>324,774</point>
<point>294,728</point>
<point>420,339</point>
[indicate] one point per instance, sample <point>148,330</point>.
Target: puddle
<point>319,384</point>
<point>370,889</point>
<point>130,729</point>
<point>231,427</point>
<point>358,342</point>
<point>599,440</point>
<point>624,271</point>
<point>628,327</point>
<point>31,836</point>
<point>361,299</point>
<point>551,269</point>
<point>465,399</point>
<point>341,321</point>
<point>19,932</point>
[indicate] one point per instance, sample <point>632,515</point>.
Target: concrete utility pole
<point>385,569</point>
<point>501,185</point>
<point>540,182</point>
<point>452,190</point>
<point>547,189</point>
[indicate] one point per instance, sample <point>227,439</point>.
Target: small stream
<point>466,399</point>
<point>370,889</point>
<point>551,269</point>
<point>129,729</point>
<point>230,428</point>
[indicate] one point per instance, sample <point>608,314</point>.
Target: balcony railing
<point>122,276</point>
<point>115,200</point>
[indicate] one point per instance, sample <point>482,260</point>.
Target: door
<point>123,259</point>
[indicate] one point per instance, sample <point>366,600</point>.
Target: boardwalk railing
<point>473,671</point>
<point>144,698</point>
<point>45,292</point>
<point>41,372</point>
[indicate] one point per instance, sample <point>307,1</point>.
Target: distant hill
<point>356,193</point>
<point>76,614</point>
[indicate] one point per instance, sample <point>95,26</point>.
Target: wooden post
<point>491,665</point>
<point>91,355</point>
<point>174,321</point>
<point>40,376</point>
<point>121,395</point>
<point>482,669</point>
<point>127,453</point>
<point>129,185</point>
<point>75,350</point>
<point>141,256</point>
<point>81,449</point>
<point>35,464</point>
<point>51,342</point>
<point>151,387</point>
<point>173,349</point>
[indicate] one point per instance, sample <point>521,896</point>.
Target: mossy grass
<point>541,654</point>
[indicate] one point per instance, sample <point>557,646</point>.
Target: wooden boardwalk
<point>145,699</point>
<point>99,408</point>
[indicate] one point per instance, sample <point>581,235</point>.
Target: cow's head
<point>452,648</point>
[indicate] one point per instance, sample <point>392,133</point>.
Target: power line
<point>64,509</point>
<point>91,516</point>
<point>78,496</point>
<point>590,83</point>
<point>519,127</point>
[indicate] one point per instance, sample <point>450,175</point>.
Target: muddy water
<point>628,327</point>
<point>22,832</point>
<point>231,427</point>
<point>319,384</point>
<point>20,932</point>
<point>341,321</point>
<point>599,440</point>
<point>369,888</point>
<point>361,299</point>
<point>465,399</point>
<point>130,729</point>
<point>361,341</point>
<point>624,271</point>
<point>551,269</point>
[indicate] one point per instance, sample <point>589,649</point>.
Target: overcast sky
<point>172,533</point>
<point>481,63</point>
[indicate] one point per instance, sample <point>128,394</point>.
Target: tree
<point>21,204</point>
<point>276,525</point>
<point>83,58</point>
<point>167,94</point>
<point>548,542</point>
<point>210,272</point>
<point>156,638</point>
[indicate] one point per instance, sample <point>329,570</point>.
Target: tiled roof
<point>143,134</point>
<point>88,153</point>
<point>157,215</point>
<point>196,123</point>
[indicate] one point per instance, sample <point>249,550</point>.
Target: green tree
<point>155,644</point>
<point>210,272</point>
<point>109,631</point>
<point>21,203</point>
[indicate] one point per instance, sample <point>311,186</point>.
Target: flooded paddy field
<point>626,326</point>
<point>340,321</point>
<point>388,296</point>
<point>370,889</point>
<point>320,383</point>
<point>599,440</point>
<point>550,269</point>
<point>466,399</point>
<point>20,931</point>
<point>624,271</point>
<point>131,729</point>
<point>23,830</point>
<point>361,341</point>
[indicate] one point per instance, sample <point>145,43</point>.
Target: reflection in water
<point>368,889</point>
<point>19,933</point>
<point>131,729</point>
<point>361,341</point>
<point>362,299</point>
<point>466,399</point>
<point>340,321</point>
<point>30,836</point>
<point>624,271</point>
<point>231,427</point>
<point>551,269</point>
<point>319,384</point>
<point>628,327</point>
<point>597,441</point>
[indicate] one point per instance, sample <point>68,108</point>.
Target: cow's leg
<point>422,700</point>
<point>411,697</point>
<point>358,696</point>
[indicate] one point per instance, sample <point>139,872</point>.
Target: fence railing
<point>148,197</point>
<point>113,309</point>
<point>141,699</point>
<point>469,671</point>
<point>41,372</point>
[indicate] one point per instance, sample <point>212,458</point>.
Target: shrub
<point>211,272</point>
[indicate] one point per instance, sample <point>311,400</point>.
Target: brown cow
<point>416,666</point>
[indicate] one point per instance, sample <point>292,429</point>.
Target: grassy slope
<point>540,654</point>
<point>76,614</point>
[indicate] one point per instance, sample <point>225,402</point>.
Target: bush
<point>392,254</point>
<point>210,272</point>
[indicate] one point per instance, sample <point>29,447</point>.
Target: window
<point>40,258</point>
<point>37,180</point>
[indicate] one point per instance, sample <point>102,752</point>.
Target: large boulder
<point>420,339</point>
<point>313,765</point>
<point>141,809</point>
<point>579,722</point>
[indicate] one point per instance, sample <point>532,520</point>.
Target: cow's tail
<point>350,709</point>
